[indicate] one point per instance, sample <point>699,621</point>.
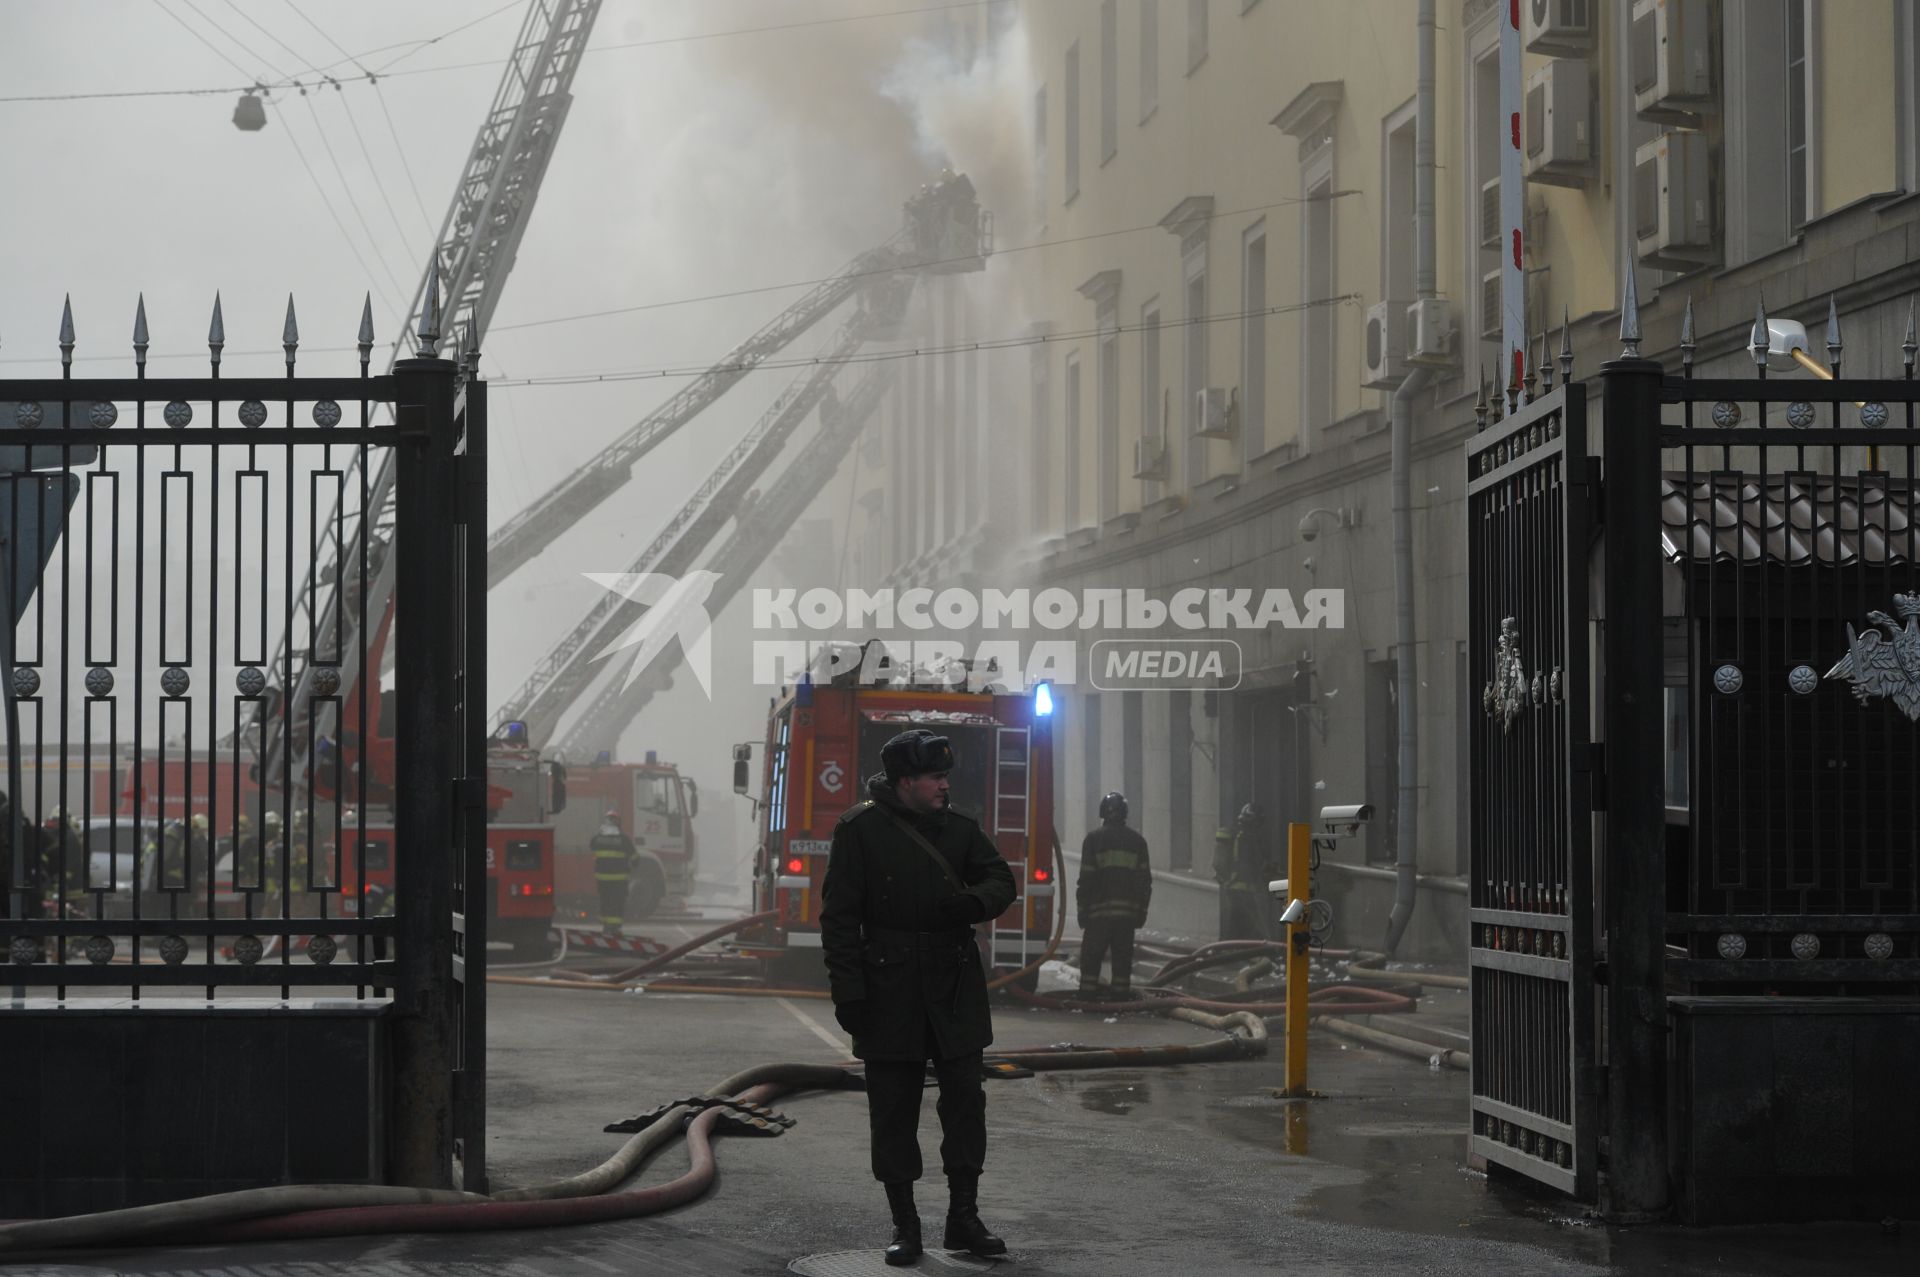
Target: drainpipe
<point>1406,662</point>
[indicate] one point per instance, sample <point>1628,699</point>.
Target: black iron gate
<point>1530,489</point>
<point>158,538</point>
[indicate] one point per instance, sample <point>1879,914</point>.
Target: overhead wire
<point>255,24</point>
<point>758,289</point>
<point>917,352</point>
<point>318,186</point>
<point>374,76</point>
<point>235,40</point>
<point>353,201</point>
<point>190,30</point>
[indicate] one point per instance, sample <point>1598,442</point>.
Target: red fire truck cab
<point>824,741</point>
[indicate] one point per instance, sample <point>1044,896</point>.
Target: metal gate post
<point>1634,900</point>
<point>427,758</point>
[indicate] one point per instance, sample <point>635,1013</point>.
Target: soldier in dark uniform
<point>1111,897</point>
<point>907,879</point>
<point>1244,861</point>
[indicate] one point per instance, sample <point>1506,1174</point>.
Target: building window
<point>1193,362</point>
<point>1040,156</point>
<point>1149,58</point>
<point>1153,412</point>
<point>1396,246</point>
<point>1906,123</point>
<point>1070,509</point>
<point>1107,409</point>
<point>1253,343</point>
<point>1799,105</point>
<point>1041,377</point>
<point>1196,34</point>
<point>1383,760</point>
<point>1180,779</point>
<point>1109,79</point>
<point>1070,145</point>
<point>1483,209</point>
<point>1770,149</point>
<point>1316,286</point>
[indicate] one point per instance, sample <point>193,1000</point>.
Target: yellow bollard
<point>1299,862</point>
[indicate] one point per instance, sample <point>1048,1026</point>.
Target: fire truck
<point>525,795</point>
<point>656,806</point>
<point>824,740</point>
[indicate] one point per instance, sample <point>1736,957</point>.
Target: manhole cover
<point>872,1263</point>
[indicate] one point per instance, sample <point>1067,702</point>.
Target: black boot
<point>906,1225</point>
<point>964,1229</point>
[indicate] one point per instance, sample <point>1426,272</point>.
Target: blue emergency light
<point>1042,701</point>
<point>653,756</point>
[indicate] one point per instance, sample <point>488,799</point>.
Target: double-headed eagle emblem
<point>1887,664</point>
<point>1506,695</point>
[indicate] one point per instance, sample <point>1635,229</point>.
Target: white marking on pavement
<point>813,1026</point>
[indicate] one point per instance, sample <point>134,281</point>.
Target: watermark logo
<point>676,608</point>
<point>1131,665</point>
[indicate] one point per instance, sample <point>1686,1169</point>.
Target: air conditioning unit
<point>1558,27</point>
<point>1150,459</point>
<point>1559,124</point>
<point>1490,214</point>
<point>1216,413</point>
<point>1672,202</point>
<point>1490,321</point>
<point>1386,345</point>
<point>1670,55</point>
<point>1429,333</point>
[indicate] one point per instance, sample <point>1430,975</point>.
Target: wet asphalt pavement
<point>1188,1170</point>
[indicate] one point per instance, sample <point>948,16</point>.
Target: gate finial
<point>1911,342</point>
<point>1833,335</point>
<point>1546,360</point>
<point>66,334</point>
<point>1531,379</point>
<point>1686,338</point>
<point>470,348</point>
<point>1757,340</point>
<point>140,333</point>
<point>1630,317</point>
<point>1566,346</point>
<point>216,331</point>
<point>430,313</point>
<point>1480,402</point>
<point>366,332</point>
<point>290,333</point>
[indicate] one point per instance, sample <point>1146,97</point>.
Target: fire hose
<point>332,1210</point>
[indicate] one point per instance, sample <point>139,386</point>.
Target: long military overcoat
<point>880,881</point>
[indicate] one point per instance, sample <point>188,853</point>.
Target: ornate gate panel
<point>1530,485</point>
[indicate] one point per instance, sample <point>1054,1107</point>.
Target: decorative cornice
<point>1103,288</point>
<point>1189,217</point>
<point>1311,110</point>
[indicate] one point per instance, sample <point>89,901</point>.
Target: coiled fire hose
<point>315,1210</point>
<point>332,1210</point>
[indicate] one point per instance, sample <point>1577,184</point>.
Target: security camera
<point>1277,888</point>
<point>1296,911</point>
<point>1352,814</point>
<point>1307,531</point>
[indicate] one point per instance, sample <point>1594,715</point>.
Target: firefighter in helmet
<point>612,863</point>
<point>907,879</point>
<point>1111,897</point>
<point>1244,861</point>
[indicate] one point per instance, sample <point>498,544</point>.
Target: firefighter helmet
<point>1114,806</point>
<point>1251,814</point>
<point>915,753</point>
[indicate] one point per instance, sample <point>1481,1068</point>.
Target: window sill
<point>1120,524</point>
<point>1217,487</point>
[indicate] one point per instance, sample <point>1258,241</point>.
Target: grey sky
<point>685,169</point>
